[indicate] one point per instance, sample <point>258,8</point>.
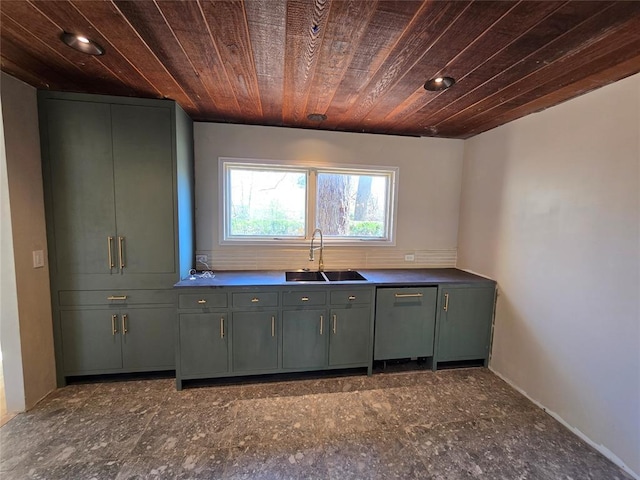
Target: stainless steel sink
<point>344,275</point>
<point>304,276</point>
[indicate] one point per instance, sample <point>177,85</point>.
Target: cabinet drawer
<point>116,297</point>
<point>304,298</point>
<point>406,296</point>
<point>202,300</point>
<point>341,297</point>
<point>255,299</point>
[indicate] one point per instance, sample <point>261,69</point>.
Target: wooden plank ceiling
<point>362,63</point>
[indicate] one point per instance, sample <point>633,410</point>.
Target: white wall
<point>428,202</point>
<point>24,173</point>
<point>550,209</point>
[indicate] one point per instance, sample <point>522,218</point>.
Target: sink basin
<point>303,276</point>
<point>343,275</point>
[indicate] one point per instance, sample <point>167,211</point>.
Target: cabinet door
<point>304,338</point>
<point>465,323</point>
<point>81,178</point>
<point>91,341</point>
<point>144,197</point>
<point>148,338</point>
<point>254,338</point>
<point>405,322</point>
<point>349,336</point>
<point>203,343</point>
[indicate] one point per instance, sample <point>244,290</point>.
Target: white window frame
<point>312,170</point>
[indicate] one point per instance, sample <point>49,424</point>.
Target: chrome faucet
<point>312,249</point>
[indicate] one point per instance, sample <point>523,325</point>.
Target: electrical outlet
<point>409,257</point>
<point>38,258</point>
<point>202,259</point>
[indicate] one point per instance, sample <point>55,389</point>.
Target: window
<point>269,202</point>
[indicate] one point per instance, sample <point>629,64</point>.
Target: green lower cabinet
<point>350,329</point>
<point>272,330</point>
<point>91,341</point>
<point>464,324</point>
<point>203,339</point>
<point>254,341</point>
<point>117,340</point>
<point>405,322</point>
<point>148,339</point>
<point>304,339</point>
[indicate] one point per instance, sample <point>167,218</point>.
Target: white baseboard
<point>600,448</point>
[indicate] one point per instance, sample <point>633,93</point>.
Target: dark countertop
<point>399,277</point>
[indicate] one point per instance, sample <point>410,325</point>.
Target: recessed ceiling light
<point>439,83</point>
<point>317,117</point>
<point>81,43</point>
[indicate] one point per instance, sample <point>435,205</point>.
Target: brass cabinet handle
<point>124,324</point>
<point>335,323</point>
<point>109,249</point>
<point>407,295</point>
<point>446,302</point>
<point>352,297</point>
<point>305,299</point>
<point>255,300</point>
<point>273,326</point>
<point>121,251</point>
<point>202,301</point>
<point>117,297</point>
<point>321,322</point>
<point>221,327</point>
<point>114,329</point>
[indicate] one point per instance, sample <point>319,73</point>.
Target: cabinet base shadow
<point>120,377</point>
<point>273,378</point>
<point>402,365</point>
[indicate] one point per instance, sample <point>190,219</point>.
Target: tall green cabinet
<point>118,180</point>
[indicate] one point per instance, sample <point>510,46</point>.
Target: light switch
<point>409,257</point>
<point>38,258</point>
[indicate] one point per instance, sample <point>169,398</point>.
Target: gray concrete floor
<point>452,424</point>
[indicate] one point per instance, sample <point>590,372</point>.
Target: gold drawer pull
<point>305,299</point>
<point>407,295</point>
<point>202,301</point>
<point>221,327</point>
<point>114,329</point>
<point>335,323</point>
<point>321,323</point>
<point>124,324</point>
<point>117,297</point>
<point>255,300</point>
<point>446,302</point>
<point>352,297</point>
<point>273,326</point>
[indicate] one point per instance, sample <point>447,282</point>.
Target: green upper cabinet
<point>119,191</point>
<point>144,197</point>
<point>464,323</point>
<point>80,170</point>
